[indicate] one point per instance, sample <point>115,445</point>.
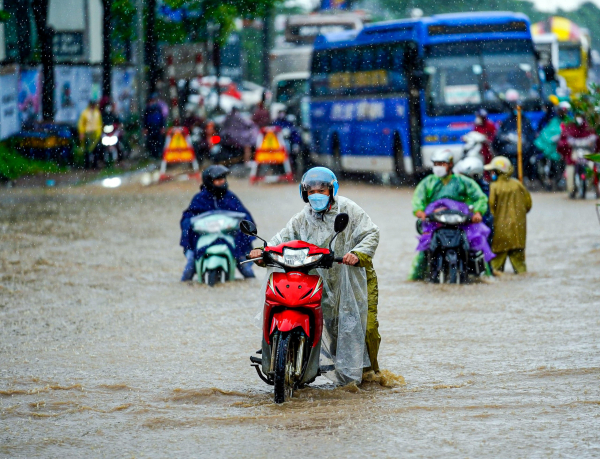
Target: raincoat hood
<point>345,298</point>
<point>506,175</point>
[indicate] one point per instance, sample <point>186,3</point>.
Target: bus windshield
<point>288,90</point>
<point>569,56</point>
<point>468,75</point>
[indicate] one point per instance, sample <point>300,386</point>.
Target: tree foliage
<point>195,17</point>
<point>588,106</point>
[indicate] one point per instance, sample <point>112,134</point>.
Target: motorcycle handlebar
<point>251,260</point>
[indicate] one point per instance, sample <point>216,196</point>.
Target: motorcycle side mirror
<point>248,228</point>
<point>341,222</point>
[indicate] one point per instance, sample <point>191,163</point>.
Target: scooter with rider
<point>346,292</point>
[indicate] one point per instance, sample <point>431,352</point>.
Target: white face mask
<point>440,171</point>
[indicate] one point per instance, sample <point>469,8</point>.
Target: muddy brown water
<point>104,353</point>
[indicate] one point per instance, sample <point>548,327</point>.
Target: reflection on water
<point>103,350</point>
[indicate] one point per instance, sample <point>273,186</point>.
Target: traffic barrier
<point>271,156</point>
<point>178,150</point>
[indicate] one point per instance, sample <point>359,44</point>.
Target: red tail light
<point>215,139</point>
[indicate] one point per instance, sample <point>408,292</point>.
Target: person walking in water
<point>509,203</point>
<point>90,130</point>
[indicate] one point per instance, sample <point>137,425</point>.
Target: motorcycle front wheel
<point>580,183</point>
<point>284,369</point>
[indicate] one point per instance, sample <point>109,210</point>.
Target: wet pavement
<point>104,352</point>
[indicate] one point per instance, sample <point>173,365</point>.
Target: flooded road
<point>104,352</point>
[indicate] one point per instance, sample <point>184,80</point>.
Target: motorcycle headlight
<point>109,128</point>
<point>295,257</point>
<point>451,219</point>
<point>209,225</point>
<point>109,141</point>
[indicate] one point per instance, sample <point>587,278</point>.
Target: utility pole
<point>151,46</point>
<point>106,47</point>
<point>266,49</point>
<point>45,34</point>
<point>139,59</point>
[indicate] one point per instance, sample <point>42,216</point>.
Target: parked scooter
<point>217,230</point>
<point>450,258</point>
<point>112,150</point>
<point>580,149</point>
<point>292,314</point>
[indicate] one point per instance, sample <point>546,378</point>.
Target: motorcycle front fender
<point>288,320</point>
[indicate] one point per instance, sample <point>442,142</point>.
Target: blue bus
<point>387,96</point>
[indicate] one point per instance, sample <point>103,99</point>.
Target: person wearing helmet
<point>472,167</point>
<point>509,203</point>
<point>549,111</point>
<point>443,184</point>
<point>214,195</point>
<point>572,130</point>
<point>284,122</point>
<point>547,143</point>
<point>350,290</point>
<point>485,126</point>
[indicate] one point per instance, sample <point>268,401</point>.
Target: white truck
<point>293,50</point>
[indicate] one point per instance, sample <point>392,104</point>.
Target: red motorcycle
<point>292,314</point>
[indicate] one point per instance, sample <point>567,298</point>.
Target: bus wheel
<point>336,152</point>
<point>398,156</point>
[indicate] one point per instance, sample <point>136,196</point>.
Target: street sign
<point>67,44</point>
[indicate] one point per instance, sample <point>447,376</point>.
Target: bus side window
<point>367,59</point>
<point>397,69</point>
<point>340,80</point>
<point>321,67</point>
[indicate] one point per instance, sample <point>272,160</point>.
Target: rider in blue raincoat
<point>214,195</point>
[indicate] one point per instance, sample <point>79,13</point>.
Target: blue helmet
<point>317,177</point>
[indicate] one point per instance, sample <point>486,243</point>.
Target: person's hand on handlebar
<point>350,259</point>
<point>420,214</point>
<point>255,253</point>
<point>477,218</point>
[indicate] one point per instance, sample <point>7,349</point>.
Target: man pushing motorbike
<point>442,187</point>
<point>214,195</point>
<point>350,295</point>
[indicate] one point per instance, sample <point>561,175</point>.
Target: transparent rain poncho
<point>343,351</point>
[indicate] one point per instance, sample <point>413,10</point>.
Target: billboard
<point>72,92</point>
<point>29,98</point>
<point>123,91</point>
<point>9,113</point>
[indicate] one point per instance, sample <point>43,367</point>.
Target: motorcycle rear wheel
<point>453,275</point>
<point>283,386</point>
<point>213,277</point>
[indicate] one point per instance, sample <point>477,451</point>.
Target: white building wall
<point>66,15</point>
<point>80,16</point>
<point>95,17</point>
